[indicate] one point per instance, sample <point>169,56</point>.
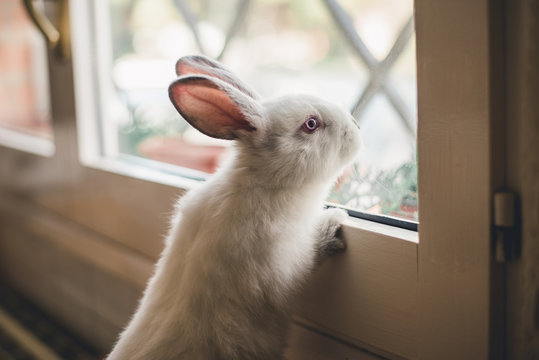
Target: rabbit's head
<point>291,140</point>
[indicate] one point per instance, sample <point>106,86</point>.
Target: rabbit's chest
<point>292,259</point>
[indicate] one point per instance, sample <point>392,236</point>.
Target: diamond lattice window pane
<point>359,54</point>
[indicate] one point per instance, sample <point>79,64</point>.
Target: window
<point>388,294</point>
<point>24,94</point>
<point>360,54</point>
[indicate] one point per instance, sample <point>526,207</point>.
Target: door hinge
<point>505,222</point>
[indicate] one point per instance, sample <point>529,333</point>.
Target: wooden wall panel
<point>368,294</point>
<point>81,293</point>
<point>92,284</point>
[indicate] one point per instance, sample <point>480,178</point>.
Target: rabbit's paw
<point>329,240</point>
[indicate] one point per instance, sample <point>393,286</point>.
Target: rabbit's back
<point>240,265</point>
<point>244,241</point>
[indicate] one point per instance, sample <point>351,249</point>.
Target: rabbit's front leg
<point>328,238</point>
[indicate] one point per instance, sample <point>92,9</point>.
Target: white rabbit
<point>242,243</point>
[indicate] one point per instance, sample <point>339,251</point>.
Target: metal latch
<point>505,226</point>
<point>58,40</point>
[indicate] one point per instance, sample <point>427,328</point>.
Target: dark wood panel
<point>82,295</point>
<point>92,284</point>
<point>132,212</point>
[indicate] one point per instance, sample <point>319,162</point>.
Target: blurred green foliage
<point>384,192</point>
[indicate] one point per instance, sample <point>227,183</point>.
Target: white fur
<point>242,243</point>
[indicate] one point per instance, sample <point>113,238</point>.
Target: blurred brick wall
<point>24,97</point>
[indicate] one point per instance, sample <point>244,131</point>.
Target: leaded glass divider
<point>278,46</point>
<point>378,69</point>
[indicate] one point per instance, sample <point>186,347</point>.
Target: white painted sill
<point>25,142</point>
<point>165,174</point>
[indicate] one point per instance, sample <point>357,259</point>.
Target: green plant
<point>386,192</point>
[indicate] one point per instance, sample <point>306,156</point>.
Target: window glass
<point>359,54</point>
<point>24,92</point>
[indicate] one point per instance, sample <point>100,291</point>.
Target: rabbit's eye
<point>311,124</point>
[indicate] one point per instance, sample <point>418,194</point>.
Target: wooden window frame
<point>390,294</point>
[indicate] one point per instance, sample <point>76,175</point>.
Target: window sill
<point>147,170</point>
<point>27,143</point>
<point>387,230</point>
<point>186,179</point>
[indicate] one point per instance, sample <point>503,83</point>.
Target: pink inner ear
<point>183,68</point>
<point>210,109</point>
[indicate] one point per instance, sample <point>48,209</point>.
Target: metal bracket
<point>57,39</point>
<point>505,222</point>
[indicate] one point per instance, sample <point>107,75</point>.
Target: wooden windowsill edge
<point>25,142</point>
<point>387,230</point>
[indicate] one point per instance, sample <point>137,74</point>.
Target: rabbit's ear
<point>193,65</point>
<point>213,107</point>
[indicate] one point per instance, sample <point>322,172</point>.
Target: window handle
<point>57,39</point>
